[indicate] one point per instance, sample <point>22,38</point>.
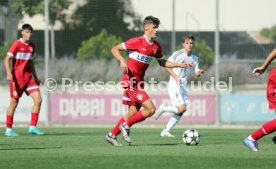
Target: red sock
<point>34,119</point>
<point>9,121</point>
<point>138,117</point>
<point>116,130</point>
<point>267,128</point>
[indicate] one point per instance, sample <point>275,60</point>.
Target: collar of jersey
<point>21,40</point>
<point>149,42</point>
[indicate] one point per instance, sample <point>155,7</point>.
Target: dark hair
<point>189,37</point>
<point>27,26</point>
<point>151,19</point>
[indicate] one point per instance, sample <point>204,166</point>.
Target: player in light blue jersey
<point>177,87</point>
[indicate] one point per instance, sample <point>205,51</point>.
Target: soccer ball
<point>191,137</point>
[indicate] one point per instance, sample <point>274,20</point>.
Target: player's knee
<point>151,111</point>
<point>13,103</point>
<point>181,109</point>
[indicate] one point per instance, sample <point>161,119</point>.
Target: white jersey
<point>179,93</point>
<point>181,56</point>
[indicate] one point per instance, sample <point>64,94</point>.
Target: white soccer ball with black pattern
<point>191,137</point>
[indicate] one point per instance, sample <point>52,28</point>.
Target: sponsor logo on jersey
<point>140,57</point>
<point>140,97</point>
<point>145,59</point>
<point>24,56</point>
<point>154,51</point>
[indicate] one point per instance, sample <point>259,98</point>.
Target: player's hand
<point>9,76</point>
<point>186,64</point>
<point>200,72</point>
<point>178,80</point>
<point>123,67</point>
<point>258,71</point>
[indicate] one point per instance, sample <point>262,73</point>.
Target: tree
<point>12,11</point>
<point>4,50</point>
<point>205,53</point>
<point>98,46</point>
<point>269,32</point>
<point>116,16</point>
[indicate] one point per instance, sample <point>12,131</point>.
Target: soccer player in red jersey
<point>270,126</point>
<point>142,50</point>
<point>22,78</point>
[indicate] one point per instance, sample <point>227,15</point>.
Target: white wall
<point>23,110</point>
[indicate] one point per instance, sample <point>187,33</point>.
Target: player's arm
<point>7,66</point>
<point>34,72</point>
<point>171,72</point>
<point>259,70</point>
<point>198,72</point>
<point>116,52</point>
<point>168,64</point>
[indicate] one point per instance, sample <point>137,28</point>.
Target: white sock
<point>172,122</point>
<point>171,109</point>
<point>250,138</point>
<point>111,135</point>
<point>8,130</point>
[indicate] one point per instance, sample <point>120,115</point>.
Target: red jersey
<point>141,52</point>
<point>22,54</point>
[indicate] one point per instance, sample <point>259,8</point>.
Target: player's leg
<point>173,121</point>
<point>34,92</point>
<point>141,115</point>
<point>270,126</point>
<point>168,109</point>
<point>251,140</point>
<point>10,114</point>
<point>179,100</point>
<point>111,136</point>
<point>124,127</point>
<point>15,94</point>
<point>176,98</point>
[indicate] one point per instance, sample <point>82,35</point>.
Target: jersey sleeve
<point>131,44</point>
<point>13,49</point>
<point>172,58</point>
<point>159,54</point>
<point>33,46</point>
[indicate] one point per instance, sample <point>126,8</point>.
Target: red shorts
<point>135,97</point>
<point>271,90</point>
<point>16,90</point>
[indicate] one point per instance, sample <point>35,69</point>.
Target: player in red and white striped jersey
<point>22,79</point>
<point>141,50</point>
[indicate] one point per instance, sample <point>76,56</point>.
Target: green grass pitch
<point>80,148</point>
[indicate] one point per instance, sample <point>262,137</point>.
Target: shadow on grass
<point>165,144</point>
<point>70,134</point>
<point>30,148</point>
